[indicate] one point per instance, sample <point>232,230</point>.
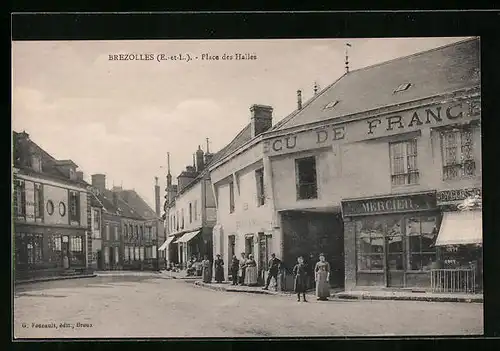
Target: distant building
<point>51,213</point>
<point>190,211</point>
<point>128,231</point>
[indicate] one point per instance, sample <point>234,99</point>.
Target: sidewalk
<point>227,286</point>
<point>59,277</point>
<point>410,296</point>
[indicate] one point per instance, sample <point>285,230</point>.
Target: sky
<point>121,118</point>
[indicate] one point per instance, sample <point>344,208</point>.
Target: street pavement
<point>142,306</point>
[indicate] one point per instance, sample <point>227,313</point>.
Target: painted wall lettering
<point>416,118</point>
<point>446,196</point>
<point>389,205</point>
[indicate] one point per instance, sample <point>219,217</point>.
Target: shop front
<point>389,241</point>
<point>459,242</point>
<point>46,251</point>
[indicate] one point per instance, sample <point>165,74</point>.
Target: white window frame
<point>406,164</point>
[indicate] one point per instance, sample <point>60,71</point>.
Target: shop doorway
<point>264,255</point>
<point>66,261</point>
<point>394,270</point>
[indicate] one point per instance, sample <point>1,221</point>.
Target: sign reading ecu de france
<point>306,140</point>
<point>445,113</point>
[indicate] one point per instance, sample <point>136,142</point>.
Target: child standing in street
<point>300,282</point>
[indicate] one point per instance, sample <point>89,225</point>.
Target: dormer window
<point>402,87</point>
<point>331,104</point>
<point>36,163</point>
<point>72,174</point>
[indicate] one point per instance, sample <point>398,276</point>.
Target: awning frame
<point>471,225</point>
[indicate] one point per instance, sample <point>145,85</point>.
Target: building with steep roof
<point>130,229</point>
<point>243,192</point>
<point>190,209</point>
<point>370,170</point>
<point>51,213</point>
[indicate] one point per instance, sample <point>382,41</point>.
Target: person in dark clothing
<point>219,269</point>
<point>274,268</point>
<point>300,281</point>
<point>235,267</point>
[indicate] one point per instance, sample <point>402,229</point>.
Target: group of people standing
<point>244,272</point>
<point>303,276</point>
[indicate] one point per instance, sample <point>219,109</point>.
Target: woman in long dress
<point>322,277</point>
<point>219,269</point>
<point>300,281</point>
<point>241,272</point>
<point>250,271</point>
<point>206,270</point>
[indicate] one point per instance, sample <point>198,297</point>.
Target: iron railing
<point>454,280</point>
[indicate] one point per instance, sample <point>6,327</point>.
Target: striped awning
<point>188,236</point>
<point>461,228</point>
<point>166,243</point>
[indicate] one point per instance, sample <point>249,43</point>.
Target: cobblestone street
<point>148,307</point>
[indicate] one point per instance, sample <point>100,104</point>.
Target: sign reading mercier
<point>409,203</point>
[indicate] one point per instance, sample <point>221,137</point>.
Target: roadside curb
<point>48,279</point>
<point>230,289</point>
<point>347,296</point>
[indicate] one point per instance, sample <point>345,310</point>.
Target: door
<point>66,257</point>
<point>394,253</point>
<point>111,257</point>
<point>264,254</point>
<point>231,243</point>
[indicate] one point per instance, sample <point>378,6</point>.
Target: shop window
<point>29,249</point>
<point>458,153</point>
<point>19,198</point>
<point>55,251</point>
<point>231,197</point>
<point>125,254</point>
<point>153,252</point>
<point>130,253</point>
<point>307,187</point>
<point>38,201</point>
<point>117,254</point>
<point>404,170</point>
<point>370,245</point>
<point>421,233</point>
<point>106,255</point>
<point>74,206</point>
<point>259,177</point>
<point>190,212</point>
<point>136,253</point>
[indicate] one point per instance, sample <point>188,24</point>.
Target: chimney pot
<point>299,100</point>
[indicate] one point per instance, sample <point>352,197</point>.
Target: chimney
<point>157,197</point>
<point>261,119</point>
<point>186,177</point>
<point>208,158</point>
<point>199,159</point>
<point>99,182</point>
<point>79,175</point>
<point>115,199</point>
<point>299,100</point>
<point>169,176</point>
